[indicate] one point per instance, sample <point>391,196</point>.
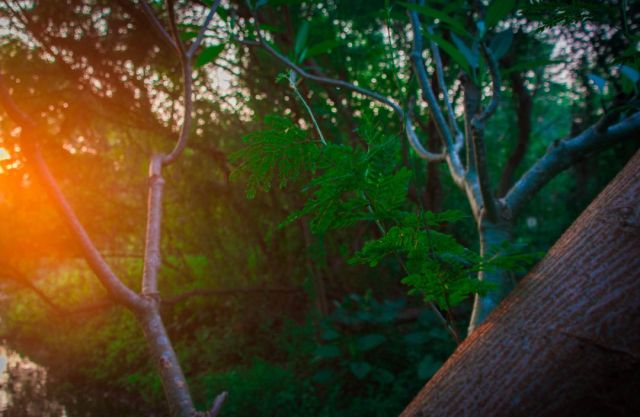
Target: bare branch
<point>173,27</point>
<point>453,124</point>
<point>23,281</point>
<point>523,102</point>
<point>495,84</point>
<point>325,80</point>
<point>30,132</point>
<point>152,257</point>
<point>415,141</point>
<point>203,29</point>
<point>453,160</point>
<point>217,404</point>
<point>423,80</point>
<point>480,152</point>
<point>157,25</point>
<point>562,154</point>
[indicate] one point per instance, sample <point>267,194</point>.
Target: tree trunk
<point>567,340</point>
<point>492,238</point>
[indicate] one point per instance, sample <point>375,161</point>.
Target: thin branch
<point>321,79</point>
<point>480,155</point>
<point>217,404</point>
<point>453,123</point>
<point>453,160</point>
<point>325,80</point>
<point>415,141</point>
<point>203,29</point>
<point>95,260</point>
<point>410,131</point>
<point>425,85</point>
<point>152,256</point>
<point>187,94</point>
<point>173,28</point>
<point>23,281</point>
<point>496,82</point>
<point>157,26</point>
<point>523,102</point>
<point>562,154</point>
<point>292,84</point>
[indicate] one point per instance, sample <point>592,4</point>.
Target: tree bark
<point>566,341</point>
<point>492,235</point>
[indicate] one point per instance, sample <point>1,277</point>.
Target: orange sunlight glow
<point>4,155</point>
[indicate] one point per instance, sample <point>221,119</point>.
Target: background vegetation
<point>302,234</point>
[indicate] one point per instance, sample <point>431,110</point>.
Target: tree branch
<point>412,137</point>
<point>562,154</point>
<point>30,131</point>
<point>453,124</point>
<point>425,85</point>
<point>196,43</point>
<point>152,256</point>
<point>173,28</point>
<point>524,106</point>
<point>157,26</point>
<point>496,83</point>
<point>453,160</point>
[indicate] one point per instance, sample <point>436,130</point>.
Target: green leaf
<point>301,38</point>
<point>500,43</point>
<point>428,366</point>
<point>451,50</point>
<point>328,352</point>
<point>498,10</point>
<point>280,151</point>
<point>533,64</point>
<point>630,73</point>
<point>471,56</point>
<point>322,47</point>
<point>454,24</point>
<point>209,54</point>
<point>598,81</point>
<point>370,341</point>
<point>270,28</point>
<point>185,36</point>
<point>360,369</point>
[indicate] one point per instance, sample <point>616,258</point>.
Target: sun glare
<point>4,155</point>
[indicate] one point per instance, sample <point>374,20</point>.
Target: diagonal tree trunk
<point>567,340</point>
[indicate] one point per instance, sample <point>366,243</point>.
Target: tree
<point>472,64</point>
<point>146,305</point>
<point>494,215</point>
<point>563,342</point>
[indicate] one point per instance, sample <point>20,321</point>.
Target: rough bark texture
<point>567,341</point>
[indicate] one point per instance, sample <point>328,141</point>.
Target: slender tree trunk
<point>165,360</point>
<point>492,238</point>
<point>566,342</point>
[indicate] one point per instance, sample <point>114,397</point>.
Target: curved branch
<point>453,123</point>
<point>495,84</point>
<point>423,80</point>
<point>107,277</point>
<point>157,26</point>
<point>196,43</point>
<point>453,160</point>
<point>415,141</point>
<point>325,80</point>
<point>173,27</point>
<point>562,154</point>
